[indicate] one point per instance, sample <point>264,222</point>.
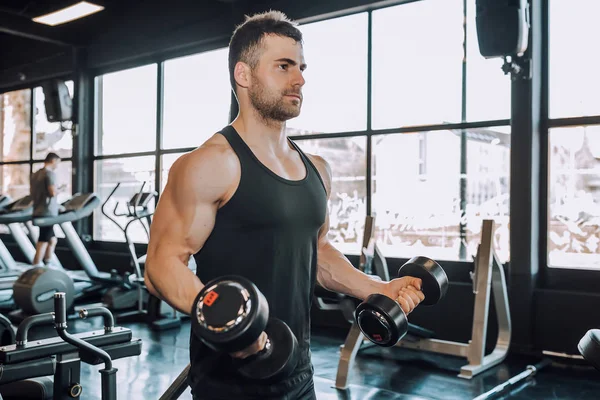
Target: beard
<point>271,105</point>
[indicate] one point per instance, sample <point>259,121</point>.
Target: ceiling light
<point>76,11</point>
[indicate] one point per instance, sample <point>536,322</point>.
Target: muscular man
<point>249,202</point>
<point>43,193</point>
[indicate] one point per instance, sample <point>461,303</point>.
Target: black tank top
<point>267,232</point>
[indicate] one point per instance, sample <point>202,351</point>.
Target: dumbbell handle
<point>264,352</point>
<point>434,281</point>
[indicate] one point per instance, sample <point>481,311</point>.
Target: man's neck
<point>266,134</point>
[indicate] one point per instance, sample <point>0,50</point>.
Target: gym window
<point>417,75</point>
<point>196,98</point>
<point>359,105</point>
<point>335,93</point>
<point>26,137</point>
<point>146,118</point>
<point>573,136</point>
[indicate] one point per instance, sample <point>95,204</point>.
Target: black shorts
<point>304,391</point>
<point>46,233</point>
<point>300,386</point>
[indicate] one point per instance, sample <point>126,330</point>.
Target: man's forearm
<point>336,273</point>
<point>172,282</point>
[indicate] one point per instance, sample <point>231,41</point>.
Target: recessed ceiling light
<point>71,13</point>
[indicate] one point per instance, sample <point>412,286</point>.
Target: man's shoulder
<point>212,164</point>
<point>214,153</point>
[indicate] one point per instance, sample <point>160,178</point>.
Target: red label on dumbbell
<point>210,298</point>
<point>377,337</point>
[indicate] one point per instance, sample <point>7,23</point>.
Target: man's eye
<point>283,66</point>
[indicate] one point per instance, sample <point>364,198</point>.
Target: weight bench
<point>23,364</point>
<point>488,274</point>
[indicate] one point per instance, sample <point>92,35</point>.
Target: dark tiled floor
<point>377,374</point>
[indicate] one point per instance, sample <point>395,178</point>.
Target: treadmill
<point>89,283</point>
<point>80,206</point>
<point>12,269</point>
<point>14,215</point>
<point>8,265</point>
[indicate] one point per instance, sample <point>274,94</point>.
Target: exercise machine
<point>488,274</point>
<point>149,309</point>
<point>34,289</point>
<point>137,211</point>
<point>61,356</point>
<point>17,215</point>
<point>7,262</point>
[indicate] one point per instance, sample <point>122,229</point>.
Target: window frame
<point>560,277</point>
<point>31,160</point>
<point>158,151</point>
<point>368,133</point>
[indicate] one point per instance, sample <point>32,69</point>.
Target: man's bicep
<point>186,212</point>
<point>182,222</point>
<point>324,231</point>
<point>325,172</point>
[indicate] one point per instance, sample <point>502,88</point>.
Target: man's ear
<point>241,74</point>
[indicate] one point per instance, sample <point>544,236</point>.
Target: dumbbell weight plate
<point>433,278</point>
<point>381,320</point>
<point>229,314</point>
<point>279,360</point>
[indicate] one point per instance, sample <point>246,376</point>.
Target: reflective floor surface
<point>378,373</point>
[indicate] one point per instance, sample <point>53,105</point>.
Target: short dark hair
<point>247,39</point>
<point>51,157</point>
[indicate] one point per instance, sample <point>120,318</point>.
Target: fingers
<point>405,304</point>
<point>409,298</point>
<point>416,295</point>
<point>253,348</point>
<point>262,341</point>
<point>415,282</point>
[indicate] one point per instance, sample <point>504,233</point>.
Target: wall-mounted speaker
<point>58,102</point>
<point>502,27</point>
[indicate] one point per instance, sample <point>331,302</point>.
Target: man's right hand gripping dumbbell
<point>231,315</point>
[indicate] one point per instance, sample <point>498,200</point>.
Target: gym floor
<point>377,374</point>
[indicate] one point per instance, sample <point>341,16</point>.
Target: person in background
<point>44,195</point>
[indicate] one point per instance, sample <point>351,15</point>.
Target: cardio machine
<point>34,289</point>
<point>17,215</point>
<point>9,268</point>
<point>150,309</point>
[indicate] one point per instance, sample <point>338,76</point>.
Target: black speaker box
<point>502,27</point>
<point>58,102</point>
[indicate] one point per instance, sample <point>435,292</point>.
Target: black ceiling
<point>131,31</point>
<point>15,19</point>
<point>24,41</point>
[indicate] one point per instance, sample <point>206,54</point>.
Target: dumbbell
<point>382,320</point>
<point>230,313</point>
